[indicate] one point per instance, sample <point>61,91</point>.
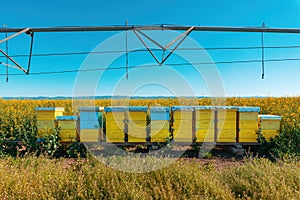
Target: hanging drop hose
<point>262,53</point>
<point>126,41</point>
<point>6,49</point>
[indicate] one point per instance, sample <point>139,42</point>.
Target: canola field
<point>29,176</point>
<point>18,120</point>
<point>18,117</point>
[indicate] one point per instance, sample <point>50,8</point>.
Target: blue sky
<point>281,78</point>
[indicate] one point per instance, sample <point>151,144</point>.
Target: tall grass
<point>42,178</point>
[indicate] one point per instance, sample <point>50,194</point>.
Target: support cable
<point>145,50</point>
<point>155,65</point>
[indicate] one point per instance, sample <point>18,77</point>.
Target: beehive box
<point>91,124</point>
<point>248,124</point>
<point>91,117</point>
<point>160,118</point>
<point>226,123</point>
<point>45,124</point>
<point>137,124</point>
<point>90,135</point>
<point>115,123</point>
<point>270,125</point>
<point>68,128</point>
<point>182,123</point>
<point>46,120</point>
<point>49,114</point>
<point>205,123</point>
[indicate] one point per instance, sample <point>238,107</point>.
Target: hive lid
<point>160,109</point>
<point>91,108</point>
<point>126,108</point>
<point>183,108</point>
<point>66,118</point>
<point>115,109</point>
<point>249,109</point>
<point>204,107</point>
<point>50,109</point>
<point>138,108</point>
<point>270,117</point>
<point>226,108</point>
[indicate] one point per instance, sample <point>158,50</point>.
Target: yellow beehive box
<point>45,124</point>
<point>182,115</point>
<point>248,136</point>
<point>136,138</point>
<point>68,129</point>
<point>115,135</point>
<point>46,114</point>
<point>270,125</point>
<point>249,116</point>
<point>183,135</point>
<point>137,135</point>
<point>248,113</point>
<point>42,133</point>
<point>114,125</point>
<point>133,125</point>
<point>268,134</point>
<point>248,124</point>
<point>226,123</point>
<point>137,115</point>
<point>205,124</point>
<point>205,113</point>
<point>270,122</point>
<point>68,135</point>
<point>115,116</point>
<point>160,123</point>
<point>67,122</point>
<point>136,123</point>
<point>227,113</point>
<point>207,135</point>
<point>46,120</point>
<point>90,135</point>
<point>182,123</point>
<point>159,135</point>
<point>226,135</point>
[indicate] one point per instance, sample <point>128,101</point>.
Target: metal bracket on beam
<point>12,60</point>
<point>163,48</point>
<point>18,66</point>
<point>14,35</point>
